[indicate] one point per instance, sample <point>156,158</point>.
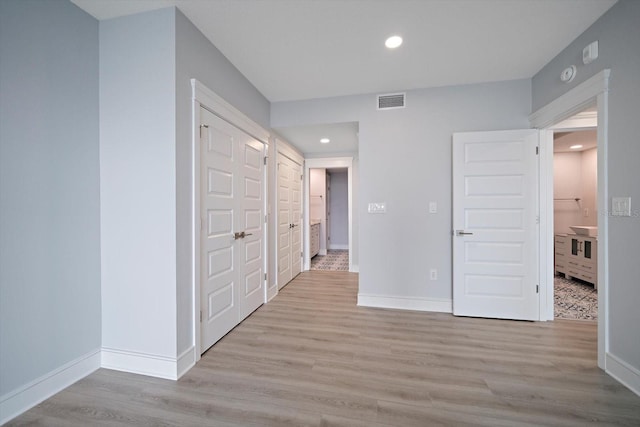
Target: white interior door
<point>296,218</point>
<point>289,219</point>
<point>232,212</point>
<point>495,224</point>
<point>284,221</point>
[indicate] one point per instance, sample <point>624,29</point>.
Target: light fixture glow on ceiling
<point>325,140</point>
<point>575,147</point>
<point>393,42</point>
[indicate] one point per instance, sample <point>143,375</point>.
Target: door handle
<point>294,225</point>
<point>463,233</point>
<point>238,235</point>
<point>246,234</point>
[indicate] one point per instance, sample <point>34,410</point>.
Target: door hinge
<point>265,219</point>
<point>301,254</point>
<point>265,276</point>
<point>200,316</point>
<point>265,160</point>
<point>537,150</point>
<point>537,289</point>
<point>301,177</point>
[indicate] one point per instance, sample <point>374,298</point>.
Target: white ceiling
<point>562,141</point>
<point>305,49</point>
<point>343,136</point>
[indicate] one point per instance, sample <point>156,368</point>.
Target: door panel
<point>232,201</point>
<point>289,219</point>
<point>495,242</point>
<point>296,219</point>
<point>284,222</point>
<point>219,305</point>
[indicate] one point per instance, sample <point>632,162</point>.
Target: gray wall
<point>49,189</point>
<point>405,161</point>
<point>138,183</point>
<point>339,217</point>
<point>197,58</point>
<point>618,35</point>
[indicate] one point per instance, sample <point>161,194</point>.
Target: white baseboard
<point>141,363</point>
<point>355,268</point>
<point>623,372</point>
<point>339,247</point>
<point>186,361</point>
<point>406,303</point>
<point>26,397</point>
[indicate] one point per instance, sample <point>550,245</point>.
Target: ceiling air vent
<point>391,100</point>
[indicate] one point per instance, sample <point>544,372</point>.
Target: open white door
<point>495,224</point>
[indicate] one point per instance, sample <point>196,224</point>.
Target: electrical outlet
<point>433,273</point>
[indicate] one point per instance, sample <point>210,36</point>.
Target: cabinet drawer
<point>588,267</point>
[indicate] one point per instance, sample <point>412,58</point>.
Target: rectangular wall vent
<point>391,100</point>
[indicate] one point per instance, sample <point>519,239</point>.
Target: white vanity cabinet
<point>314,240</point>
<point>577,256</point>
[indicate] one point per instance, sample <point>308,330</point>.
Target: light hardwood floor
<point>311,357</point>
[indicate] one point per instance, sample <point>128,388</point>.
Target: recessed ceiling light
<point>393,42</point>
<point>325,140</point>
<point>575,147</point>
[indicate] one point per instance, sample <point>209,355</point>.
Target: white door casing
<point>232,201</point>
<point>495,229</point>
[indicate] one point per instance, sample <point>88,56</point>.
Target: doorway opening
<point>575,217</point>
<point>329,219</point>
<point>328,214</point>
<point>593,91</point>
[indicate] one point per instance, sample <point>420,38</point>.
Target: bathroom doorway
<point>575,213</point>
<point>329,219</point>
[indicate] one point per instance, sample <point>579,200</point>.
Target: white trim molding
<point>406,303</point>
<point>624,373</point>
<point>26,397</point>
<point>572,102</point>
<point>594,91</point>
<point>152,365</point>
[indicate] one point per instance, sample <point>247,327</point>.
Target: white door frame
<point>593,91</point>
<point>206,98</point>
<point>327,163</point>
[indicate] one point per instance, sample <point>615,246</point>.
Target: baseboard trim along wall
<point>26,397</point>
<point>406,303</point>
<point>338,247</point>
<point>153,365</point>
<point>623,373</point>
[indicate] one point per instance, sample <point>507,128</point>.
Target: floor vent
<point>392,100</point>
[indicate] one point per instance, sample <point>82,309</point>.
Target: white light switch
<point>433,207</point>
<point>377,207</point>
<point>621,206</point>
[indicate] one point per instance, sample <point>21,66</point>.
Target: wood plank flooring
<point>311,357</point>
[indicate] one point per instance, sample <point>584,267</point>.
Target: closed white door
<point>284,221</point>
<point>289,219</point>
<point>232,212</point>
<point>495,224</point>
<point>296,218</point>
